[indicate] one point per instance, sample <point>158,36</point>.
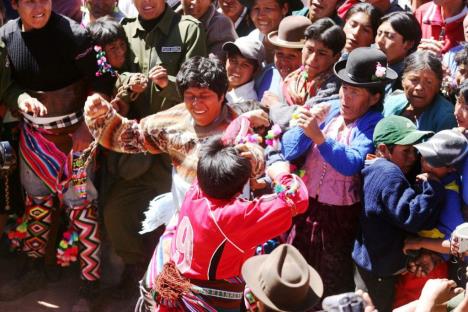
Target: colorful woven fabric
<point>38,216</point>
<point>298,87</point>
<point>43,157</point>
<point>84,220</point>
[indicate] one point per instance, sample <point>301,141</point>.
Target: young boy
<point>217,231</point>
<point>440,156</point>
<point>244,59</point>
<point>392,208</point>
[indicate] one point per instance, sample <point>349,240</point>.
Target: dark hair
<point>221,171</point>
<point>461,58</point>
<point>327,32</point>
<point>106,30</point>
<point>421,60</point>
<point>245,106</point>
<point>407,26</point>
<point>203,72</point>
<point>369,10</point>
<point>281,3</point>
<point>463,90</point>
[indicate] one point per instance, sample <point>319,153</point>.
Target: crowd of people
<point>259,155</point>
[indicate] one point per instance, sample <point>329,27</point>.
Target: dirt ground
<point>61,295</point>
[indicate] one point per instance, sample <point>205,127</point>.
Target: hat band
<point>285,42</point>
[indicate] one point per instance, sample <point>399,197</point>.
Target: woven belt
<point>231,295</point>
<point>57,122</point>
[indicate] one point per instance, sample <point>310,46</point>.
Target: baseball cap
<point>445,148</point>
<point>397,130</point>
<point>247,47</point>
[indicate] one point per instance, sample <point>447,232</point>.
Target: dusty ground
<point>60,295</point>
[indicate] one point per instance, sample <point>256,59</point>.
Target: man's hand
<point>368,304</point>
<point>424,177</point>
<point>28,104</point>
<point>413,243</point>
<point>138,82</point>
<point>432,46</point>
<point>257,118</point>
<point>158,74</point>
<point>439,291</point>
<point>424,263</point>
<point>277,168</point>
<point>96,106</point>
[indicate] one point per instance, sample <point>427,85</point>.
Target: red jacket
<point>430,18</point>
<point>214,237</point>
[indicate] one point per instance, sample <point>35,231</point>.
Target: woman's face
<point>99,8</point>
<point>356,101</point>
<point>321,8</point>
<point>287,60</point>
<point>358,30</point>
<point>317,58</point>
<point>461,112</point>
<point>203,104</point>
<point>267,15</point>
<point>34,14</point>
<point>231,8</point>
<point>392,43</point>
<point>420,87</point>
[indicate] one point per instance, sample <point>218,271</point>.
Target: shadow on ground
<point>62,294</point>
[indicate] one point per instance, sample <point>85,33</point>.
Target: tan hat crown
<point>290,32</point>
<point>282,275</point>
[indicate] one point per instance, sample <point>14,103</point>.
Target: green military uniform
<point>173,40</point>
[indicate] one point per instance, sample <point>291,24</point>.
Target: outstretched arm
<point>116,132</point>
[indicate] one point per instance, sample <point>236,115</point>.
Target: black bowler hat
<point>365,67</point>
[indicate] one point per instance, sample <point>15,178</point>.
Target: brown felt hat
<point>290,33</point>
<point>283,280</point>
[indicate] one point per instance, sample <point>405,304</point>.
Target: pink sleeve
<point>271,215</point>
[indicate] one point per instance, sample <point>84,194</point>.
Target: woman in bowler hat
<point>335,139</point>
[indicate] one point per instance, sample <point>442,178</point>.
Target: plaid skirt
<point>324,235</point>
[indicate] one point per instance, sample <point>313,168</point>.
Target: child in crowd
<point>441,155</point>
<point>217,231</point>
<point>461,114</point>
<point>244,60</point>
<point>392,208</point>
<point>109,37</point>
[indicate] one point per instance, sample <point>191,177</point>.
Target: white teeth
<point>38,16</point>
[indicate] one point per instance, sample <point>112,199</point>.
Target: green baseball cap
<point>397,130</point>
